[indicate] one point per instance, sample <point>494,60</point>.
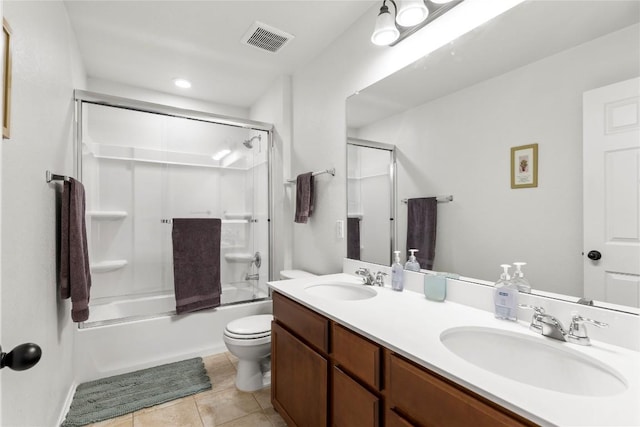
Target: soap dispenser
<point>412,264</point>
<point>397,273</point>
<point>518,278</point>
<point>505,296</point>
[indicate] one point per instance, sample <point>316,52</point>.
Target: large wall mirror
<point>371,204</point>
<point>520,79</point>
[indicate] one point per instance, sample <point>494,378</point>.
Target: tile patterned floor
<point>222,406</point>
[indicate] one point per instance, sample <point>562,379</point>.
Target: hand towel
<point>353,238</point>
<point>196,263</point>
<point>421,229</point>
<point>75,275</point>
<point>304,197</point>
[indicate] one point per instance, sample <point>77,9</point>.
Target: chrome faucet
<point>549,326</point>
<point>369,279</point>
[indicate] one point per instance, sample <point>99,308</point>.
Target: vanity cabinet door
<point>299,386</point>
<point>430,401</point>
<point>357,355</point>
<point>394,420</point>
<point>353,405</point>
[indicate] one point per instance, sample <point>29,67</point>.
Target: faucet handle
<point>380,278</point>
<point>538,312</point>
<point>578,329</point>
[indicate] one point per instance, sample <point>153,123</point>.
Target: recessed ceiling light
<point>182,83</point>
<point>220,154</point>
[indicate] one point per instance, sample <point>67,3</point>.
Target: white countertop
<point>409,324</point>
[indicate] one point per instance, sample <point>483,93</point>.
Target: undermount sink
<point>341,291</point>
<point>538,362</point>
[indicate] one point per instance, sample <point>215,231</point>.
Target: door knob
<point>22,357</point>
<point>594,255</point>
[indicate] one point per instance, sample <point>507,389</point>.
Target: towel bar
<point>331,171</point>
<point>440,199</point>
<point>55,177</point>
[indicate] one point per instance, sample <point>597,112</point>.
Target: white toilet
<point>249,339</point>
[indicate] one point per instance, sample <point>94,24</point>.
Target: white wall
<point>488,223</point>
<point>126,91</point>
<point>319,124</point>
<point>46,69</point>
<point>274,106</point>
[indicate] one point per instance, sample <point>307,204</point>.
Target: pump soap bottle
<point>397,273</point>
<point>412,264</point>
<point>505,296</point>
<point>518,278</point>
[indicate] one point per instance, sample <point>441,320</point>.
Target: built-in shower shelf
<point>239,257</point>
<point>238,215</point>
<point>105,266</point>
<point>235,221</point>
<point>107,215</point>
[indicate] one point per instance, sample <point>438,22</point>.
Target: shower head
<point>249,142</point>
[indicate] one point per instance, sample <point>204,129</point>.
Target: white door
<point>611,144</point>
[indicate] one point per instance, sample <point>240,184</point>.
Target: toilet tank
<point>295,274</point>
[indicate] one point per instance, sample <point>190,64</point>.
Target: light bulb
<point>385,31</point>
<point>411,12</point>
<point>440,1</point>
<point>182,83</point>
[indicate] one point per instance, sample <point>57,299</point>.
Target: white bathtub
<point>141,342</point>
<point>139,308</point>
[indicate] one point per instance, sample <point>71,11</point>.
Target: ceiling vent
<point>265,37</point>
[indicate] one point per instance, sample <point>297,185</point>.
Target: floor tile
<point>165,404</point>
<point>257,419</point>
<point>182,414</point>
<point>123,421</point>
<point>275,418</point>
<point>220,407</point>
<point>263,397</point>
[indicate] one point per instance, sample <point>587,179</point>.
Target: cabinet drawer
<point>430,401</point>
<point>308,325</point>
<point>356,355</point>
<point>353,405</point>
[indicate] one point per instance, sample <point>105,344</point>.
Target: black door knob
<point>22,357</point>
<point>594,255</point>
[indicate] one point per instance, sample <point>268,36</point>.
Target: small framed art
<point>524,166</point>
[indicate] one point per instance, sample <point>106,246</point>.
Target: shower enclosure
<point>144,164</point>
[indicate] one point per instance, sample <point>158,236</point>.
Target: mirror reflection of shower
<point>143,169</point>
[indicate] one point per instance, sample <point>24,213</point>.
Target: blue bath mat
<point>122,394</point>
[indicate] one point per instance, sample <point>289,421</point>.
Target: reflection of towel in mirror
<point>353,238</point>
<point>196,263</point>
<point>421,229</point>
<point>75,275</point>
<point>304,197</point>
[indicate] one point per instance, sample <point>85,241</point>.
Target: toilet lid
<point>259,325</point>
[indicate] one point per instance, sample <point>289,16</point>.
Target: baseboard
<point>67,403</point>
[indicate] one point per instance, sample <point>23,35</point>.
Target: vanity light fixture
<point>182,83</point>
<point>410,16</point>
<point>220,154</point>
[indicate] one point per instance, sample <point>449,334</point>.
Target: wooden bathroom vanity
<point>323,373</point>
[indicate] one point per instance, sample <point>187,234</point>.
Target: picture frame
<point>524,166</point>
<point>6,93</point>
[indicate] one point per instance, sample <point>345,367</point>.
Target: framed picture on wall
<point>6,66</point>
<point>524,166</point>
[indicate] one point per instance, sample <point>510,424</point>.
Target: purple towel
<point>75,276</point>
<point>196,263</point>
<point>353,238</point>
<point>304,197</point>
<point>422,215</point>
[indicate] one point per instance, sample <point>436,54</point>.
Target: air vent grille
<point>265,37</point>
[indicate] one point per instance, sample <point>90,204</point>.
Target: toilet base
<point>252,375</point>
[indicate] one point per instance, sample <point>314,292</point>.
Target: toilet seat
<point>250,327</point>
